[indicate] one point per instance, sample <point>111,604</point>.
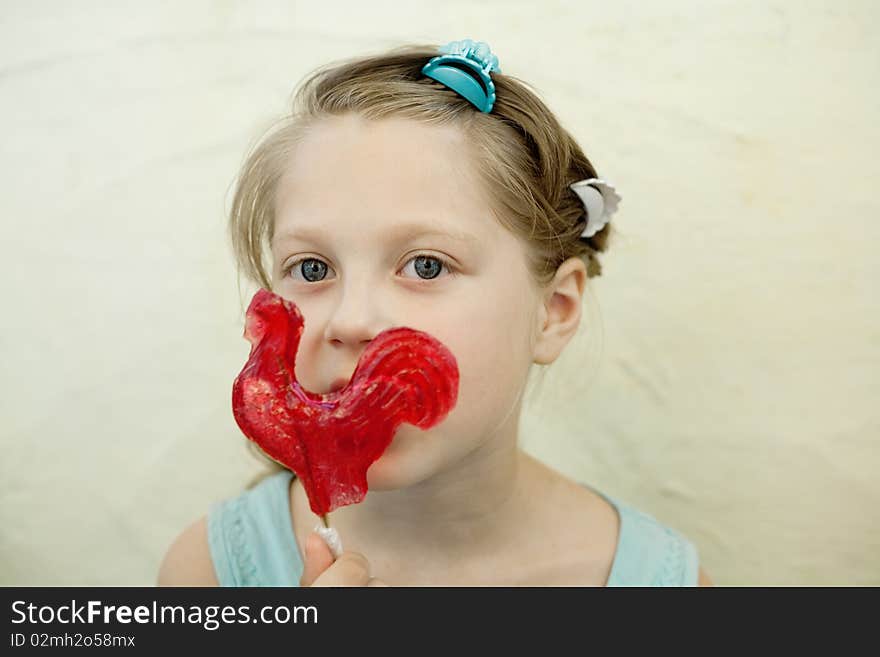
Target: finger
<point>351,569</point>
<point>318,558</point>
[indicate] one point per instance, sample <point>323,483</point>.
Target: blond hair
<point>526,158</point>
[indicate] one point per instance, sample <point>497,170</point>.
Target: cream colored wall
<point>726,376</point>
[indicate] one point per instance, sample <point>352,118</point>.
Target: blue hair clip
<point>457,66</point>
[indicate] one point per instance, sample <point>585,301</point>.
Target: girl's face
<point>382,224</point>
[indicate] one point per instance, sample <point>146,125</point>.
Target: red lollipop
<point>329,441</point>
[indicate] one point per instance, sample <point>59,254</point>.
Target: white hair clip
<point>600,201</point>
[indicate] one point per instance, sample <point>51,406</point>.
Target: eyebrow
<point>398,233</point>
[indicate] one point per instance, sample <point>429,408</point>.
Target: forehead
<point>350,173</point>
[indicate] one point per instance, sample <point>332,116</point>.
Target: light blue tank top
<point>252,543</point>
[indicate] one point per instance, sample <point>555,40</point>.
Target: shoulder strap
<point>251,538</point>
<point>651,554</point>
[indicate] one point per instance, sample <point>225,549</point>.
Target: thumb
<point>318,558</point>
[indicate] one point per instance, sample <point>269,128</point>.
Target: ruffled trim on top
<point>234,563</point>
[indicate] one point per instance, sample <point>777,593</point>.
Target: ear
<point>559,314</point>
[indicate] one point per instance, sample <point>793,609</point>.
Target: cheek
<point>492,375</point>
<point>490,384</point>
<point>493,354</point>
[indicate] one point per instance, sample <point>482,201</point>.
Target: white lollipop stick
<point>331,538</point>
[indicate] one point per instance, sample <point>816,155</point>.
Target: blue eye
<point>428,267</point>
<point>312,269</point>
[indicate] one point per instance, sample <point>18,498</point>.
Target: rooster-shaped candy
<point>329,441</point>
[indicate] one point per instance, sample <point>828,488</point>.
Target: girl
<point>391,197</point>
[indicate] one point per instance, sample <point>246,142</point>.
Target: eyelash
<point>443,261</point>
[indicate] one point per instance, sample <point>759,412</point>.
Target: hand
<point>350,569</point>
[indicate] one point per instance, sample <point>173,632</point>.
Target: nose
<point>356,319</point>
